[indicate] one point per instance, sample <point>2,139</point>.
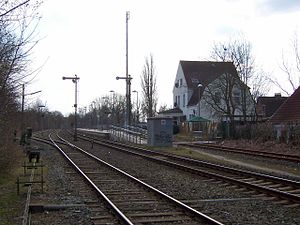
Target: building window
<point>217,98</point>
<point>180,82</point>
<point>178,103</point>
<point>237,97</point>
<point>183,100</point>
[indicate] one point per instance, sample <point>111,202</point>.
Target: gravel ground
<point>219,200</point>
<point>59,190</point>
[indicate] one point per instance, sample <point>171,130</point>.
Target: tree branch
<point>14,8</point>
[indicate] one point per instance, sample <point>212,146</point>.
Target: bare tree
<point>109,109</point>
<point>291,67</point>
<point>239,52</point>
<point>223,102</point>
<point>163,107</point>
<point>149,89</point>
<point>18,20</point>
<point>260,84</point>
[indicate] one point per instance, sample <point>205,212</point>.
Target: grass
<point>10,203</point>
<point>182,151</point>
<point>183,137</point>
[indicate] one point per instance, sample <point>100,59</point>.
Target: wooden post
<point>24,168</point>
<point>18,185</point>
<point>42,176</point>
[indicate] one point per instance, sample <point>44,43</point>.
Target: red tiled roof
<point>204,72</point>
<point>268,105</point>
<point>289,111</point>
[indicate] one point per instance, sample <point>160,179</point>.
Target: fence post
<point>18,185</point>
<point>42,176</point>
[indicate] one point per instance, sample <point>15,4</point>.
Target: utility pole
<point>128,102</point>
<point>22,115</point>
<point>128,83</point>
<point>128,79</point>
<point>23,105</point>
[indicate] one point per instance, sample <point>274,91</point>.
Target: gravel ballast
<point>219,200</point>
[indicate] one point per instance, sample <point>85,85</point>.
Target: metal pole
<point>128,97</point>
<point>23,97</point>
<point>75,80</point>
<point>199,87</point>
<point>23,105</point>
<point>199,104</point>
<point>113,107</point>
<point>137,107</point>
<point>75,106</point>
<point>128,109</point>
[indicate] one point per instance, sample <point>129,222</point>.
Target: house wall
<point>181,94</point>
<point>209,113</point>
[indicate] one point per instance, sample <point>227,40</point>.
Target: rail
<point>292,158</point>
<point>117,212</point>
<point>152,156</point>
<point>169,198</point>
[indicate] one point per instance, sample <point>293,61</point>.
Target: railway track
<point>131,200</point>
<point>279,188</point>
<point>286,157</point>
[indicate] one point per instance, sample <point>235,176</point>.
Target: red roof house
<point>267,105</point>
<point>289,111</point>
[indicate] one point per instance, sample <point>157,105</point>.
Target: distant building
<point>199,90</point>
<point>267,105</point>
<point>289,111</point>
<point>174,113</point>
<point>286,120</point>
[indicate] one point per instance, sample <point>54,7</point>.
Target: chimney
<point>277,95</point>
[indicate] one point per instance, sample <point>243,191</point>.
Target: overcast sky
<point>87,38</point>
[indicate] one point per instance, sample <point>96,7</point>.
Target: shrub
<point>260,132</point>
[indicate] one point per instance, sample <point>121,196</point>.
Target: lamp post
<point>199,87</point>
<point>137,105</point>
<point>74,80</point>
<point>113,107</point>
